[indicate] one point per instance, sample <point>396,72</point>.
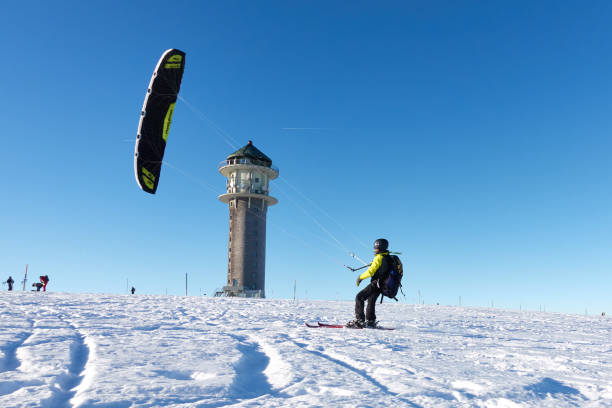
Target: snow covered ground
<point>68,350</point>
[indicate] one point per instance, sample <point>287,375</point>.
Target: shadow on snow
<point>548,386</point>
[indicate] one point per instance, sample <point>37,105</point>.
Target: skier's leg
<point>360,300</point>
<point>371,308</point>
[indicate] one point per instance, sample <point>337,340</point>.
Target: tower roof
<point>251,152</point>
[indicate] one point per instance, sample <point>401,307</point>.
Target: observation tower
<point>248,172</point>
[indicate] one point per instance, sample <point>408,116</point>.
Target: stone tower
<point>248,172</point>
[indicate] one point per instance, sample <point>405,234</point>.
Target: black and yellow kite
<point>156,117</point>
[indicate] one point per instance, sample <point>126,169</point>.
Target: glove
<point>358,280</point>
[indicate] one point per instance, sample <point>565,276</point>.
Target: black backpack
<point>392,281</point>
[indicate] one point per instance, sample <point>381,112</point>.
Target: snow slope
<point>69,350</point>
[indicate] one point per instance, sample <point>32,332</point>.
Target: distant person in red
<point>44,280</point>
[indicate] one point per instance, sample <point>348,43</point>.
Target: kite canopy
<point>156,117</point>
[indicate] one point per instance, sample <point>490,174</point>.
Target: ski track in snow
<point>78,350</point>
<point>250,380</point>
<point>65,385</point>
<point>360,372</point>
<point>9,350</point>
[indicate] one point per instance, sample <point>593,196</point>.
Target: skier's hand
<point>358,280</point>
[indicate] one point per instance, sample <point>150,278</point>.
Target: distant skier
<point>44,280</point>
<point>10,282</point>
<point>378,268</point>
<point>133,290</point>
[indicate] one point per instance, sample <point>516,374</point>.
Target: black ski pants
<point>369,293</point>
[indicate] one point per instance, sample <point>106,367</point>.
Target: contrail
<point>305,128</point>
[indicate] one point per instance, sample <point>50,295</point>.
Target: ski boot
<point>356,324</point>
<point>371,324</point>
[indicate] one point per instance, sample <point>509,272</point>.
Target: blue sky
<point>474,135</point>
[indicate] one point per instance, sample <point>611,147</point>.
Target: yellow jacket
<point>374,266</point>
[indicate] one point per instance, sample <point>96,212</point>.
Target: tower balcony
<point>235,193</point>
<point>226,167</point>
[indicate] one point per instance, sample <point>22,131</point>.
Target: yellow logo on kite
<point>174,62</point>
<point>167,122</point>
<point>148,178</point>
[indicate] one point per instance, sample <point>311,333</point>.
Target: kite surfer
<point>379,267</point>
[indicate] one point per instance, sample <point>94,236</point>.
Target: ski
<point>25,278</point>
<point>331,326</point>
<point>342,326</point>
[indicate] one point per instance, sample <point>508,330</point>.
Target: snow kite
<point>156,117</point>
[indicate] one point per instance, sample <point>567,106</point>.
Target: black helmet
<point>381,244</point>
